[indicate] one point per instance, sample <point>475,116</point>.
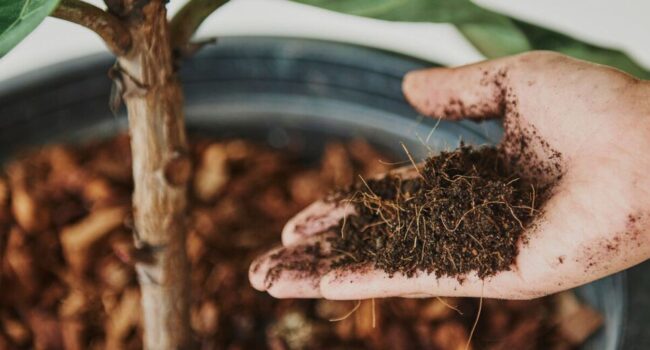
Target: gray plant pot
<point>288,91</point>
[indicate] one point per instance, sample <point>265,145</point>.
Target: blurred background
<point>620,25</point>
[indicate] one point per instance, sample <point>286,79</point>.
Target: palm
<point>581,126</point>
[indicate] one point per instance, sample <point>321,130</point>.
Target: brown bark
<point>107,26</point>
<point>138,33</point>
<point>189,18</point>
<point>161,169</point>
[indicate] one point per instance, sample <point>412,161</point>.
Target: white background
<point>621,24</point>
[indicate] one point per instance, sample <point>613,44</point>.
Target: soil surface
<point>462,212</point>
<point>66,260</point>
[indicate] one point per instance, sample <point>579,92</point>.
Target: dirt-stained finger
<point>295,271</point>
<point>316,218</point>
<point>472,91</point>
<point>326,214</point>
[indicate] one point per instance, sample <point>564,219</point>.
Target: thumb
<point>472,91</point>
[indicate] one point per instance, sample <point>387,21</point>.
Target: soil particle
<point>621,244</point>
<point>632,219</point>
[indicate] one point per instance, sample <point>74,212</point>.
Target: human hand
<point>582,126</point>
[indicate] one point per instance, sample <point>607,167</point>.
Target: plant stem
<point>189,18</point>
<point>107,26</point>
<point>161,170</point>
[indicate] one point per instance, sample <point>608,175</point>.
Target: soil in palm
<point>462,211</point>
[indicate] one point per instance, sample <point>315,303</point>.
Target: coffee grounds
<point>463,212</point>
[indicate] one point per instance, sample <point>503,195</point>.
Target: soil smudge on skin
<point>303,261</point>
<point>527,153</point>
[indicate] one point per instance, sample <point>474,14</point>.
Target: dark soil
<point>67,280</point>
<point>463,212</point>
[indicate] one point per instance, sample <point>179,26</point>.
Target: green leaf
<point>545,39</point>
<point>19,18</point>
<point>495,39</point>
<point>493,34</point>
<point>447,11</point>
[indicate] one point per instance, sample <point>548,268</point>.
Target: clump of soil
<point>67,279</point>
<point>462,212</point>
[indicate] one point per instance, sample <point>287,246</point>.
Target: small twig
<point>415,244</point>
<point>374,317</point>
<point>451,258</point>
<point>347,314</point>
<point>108,27</point>
<point>449,229</point>
<point>393,163</point>
<point>425,144</point>
<point>368,187</point>
<point>188,19</point>
<point>478,315</point>
<point>462,217</point>
<point>532,204</point>
<point>408,154</point>
<point>364,228</point>
<point>512,181</point>
<point>512,212</point>
<point>433,130</point>
<point>345,216</point>
<point>345,253</point>
<point>476,240</point>
<point>422,253</point>
<point>449,306</point>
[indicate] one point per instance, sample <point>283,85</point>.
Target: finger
<point>293,272</point>
<point>472,91</point>
<point>324,215</point>
<point>367,282</point>
<point>260,266</point>
<point>316,218</point>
